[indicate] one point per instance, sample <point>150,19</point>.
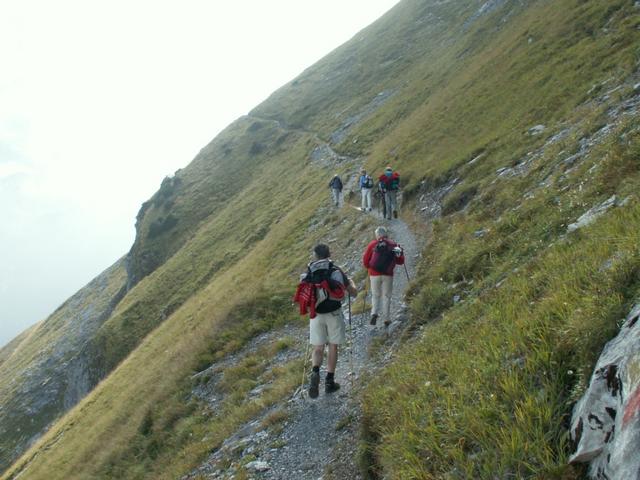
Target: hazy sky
<point>99,101</point>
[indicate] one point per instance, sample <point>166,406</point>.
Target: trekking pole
<point>351,349</point>
<point>364,302</point>
<point>304,370</point>
<point>406,271</point>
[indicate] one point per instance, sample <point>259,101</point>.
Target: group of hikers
<point>387,191</point>
<point>323,288</point>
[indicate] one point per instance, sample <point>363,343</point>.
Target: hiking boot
<point>314,383</point>
<point>330,387</point>
<point>373,319</point>
<point>395,214</point>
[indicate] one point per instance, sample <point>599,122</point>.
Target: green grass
<point>14,345</point>
<point>488,385</point>
<point>487,388</point>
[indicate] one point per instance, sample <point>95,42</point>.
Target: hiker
<point>389,183</point>
<point>366,185</point>
<point>321,291</point>
<point>380,258</point>
<point>336,187</point>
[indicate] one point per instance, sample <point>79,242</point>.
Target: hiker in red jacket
<point>389,184</point>
<point>380,258</point>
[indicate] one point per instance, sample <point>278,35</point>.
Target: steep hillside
<point>47,370</point>
<point>508,121</point>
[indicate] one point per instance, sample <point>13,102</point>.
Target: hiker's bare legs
<point>316,357</point>
<point>332,358</point>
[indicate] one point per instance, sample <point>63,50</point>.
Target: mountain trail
<point>319,438</point>
<point>322,154</point>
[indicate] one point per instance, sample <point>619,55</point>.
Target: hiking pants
<point>336,196</point>
<point>381,288</point>
<point>366,199</point>
<point>391,200</point>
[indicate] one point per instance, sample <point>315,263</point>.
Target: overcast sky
<point>99,101</point>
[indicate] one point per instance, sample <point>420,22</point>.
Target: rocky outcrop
<point>606,421</point>
<point>589,217</point>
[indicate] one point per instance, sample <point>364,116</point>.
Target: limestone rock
<point>258,466</point>
<point>606,421</point>
<point>588,217</point>
<point>537,129</point>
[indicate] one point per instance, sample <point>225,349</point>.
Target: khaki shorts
<point>327,328</point>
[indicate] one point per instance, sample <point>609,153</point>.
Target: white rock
<point>606,421</point>
<point>258,466</point>
<point>590,216</point>
<point>537,129</point>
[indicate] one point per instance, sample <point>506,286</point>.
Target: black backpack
<point>317,276</point>
<point>382,257</point>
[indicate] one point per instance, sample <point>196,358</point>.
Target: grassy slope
<point>8,350</point>
<point>221,240</point>
<point>457,92</point>
<point>485,390</point>
<point>487,387</point>
<point>59,339</point>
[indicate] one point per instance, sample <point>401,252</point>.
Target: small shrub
<point>146,425</point>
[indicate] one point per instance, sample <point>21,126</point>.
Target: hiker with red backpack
<point>389,184</point>
<point>320,292</point>
<point>380,258</point>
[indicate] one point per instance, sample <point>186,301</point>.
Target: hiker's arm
<point>366,258</point>
<point>351,287</point>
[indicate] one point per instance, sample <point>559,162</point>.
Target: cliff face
<point>514,126</point>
